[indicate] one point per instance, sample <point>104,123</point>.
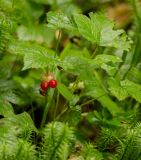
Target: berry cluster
<point>47,82</point>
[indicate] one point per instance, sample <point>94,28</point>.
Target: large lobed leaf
<point>35,56</point>
<point>99,29</point>
<point>124,89</point>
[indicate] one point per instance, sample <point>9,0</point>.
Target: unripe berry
<point>47,77</point>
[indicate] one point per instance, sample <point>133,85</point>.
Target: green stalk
<point>97,76</point>
<point>56,106</point>
<point>49,98</point>
<point>136,11</point>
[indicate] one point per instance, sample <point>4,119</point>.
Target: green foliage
<point>6,109</point>
<point>34,57</point>
<point>15,134</point>
<point>132,145</point>
<point>97,29</point>
<point>91,153</point>
<point>5,30</point>
<point>59,21</point>
<point>57,141</point>
<point>124,89</point>
<point>109,141</point>
<point>75,112</point>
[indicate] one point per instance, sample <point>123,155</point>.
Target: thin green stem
<point>95,51</point>
<point>48,103</point>
<point>12,3</point>
<point>12,66</point>
<point>99,80</point>
<point>58,42</point>
<point>91,100</point>
<point>137,14</point>
<point>50,97</point>
<point>56,106</point>
<point>65,110</point>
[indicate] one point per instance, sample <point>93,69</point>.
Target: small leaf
<point>116,89</point>
<point>88,29</point>
<point>90,153</point>
<point>74,112</point>
<point>94,89</point>
<point>66,93</point>
<point>58,20</point>
<point>74,60</point>
<point>104,59</point>
<point>22,122</point>
<point>12,97</point>
<point>37,33</point>
<point>133,89</point>
<point>6,109</point>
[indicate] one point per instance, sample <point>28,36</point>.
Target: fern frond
<point>90,153</point>
<point>4,36</point>
<point>23,123</point>
<point>109,141</point>
<point>132,149</point>
<point>15,133</point>
<point>8,143</point>
<point>58,138</point>
<point>25,151</point>
<point>6,27</point>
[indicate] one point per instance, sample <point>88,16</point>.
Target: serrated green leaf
<point>6,109</point>
<point>88,29</point>
<point>12,97</point>
<point>70,50</point>
<point>109,69</point>
<point>74,60</point>
<point>75,64</point>
<point>99,29</point>
<point>133,89</point>
<point>35,56</point>
<point>58,20</point>
<point>37,59</point>
<point>124,89</point>
<point>134,74</point>
<point>117,90</point>
<point>104,59</point>
<point>21,121</point>
<point>38,33</point>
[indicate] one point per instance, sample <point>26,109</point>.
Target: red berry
<point>44,85</point>
<point>53,83</point>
